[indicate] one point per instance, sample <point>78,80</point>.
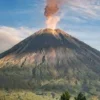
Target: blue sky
<point>21,18</point>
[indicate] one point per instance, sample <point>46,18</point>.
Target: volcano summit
<point>51,60</point>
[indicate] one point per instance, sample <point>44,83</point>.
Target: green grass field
<point>29,95</point>
<point>25,95</point>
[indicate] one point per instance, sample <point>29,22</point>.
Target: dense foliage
<point>80,97</point>
<point>65,96</point>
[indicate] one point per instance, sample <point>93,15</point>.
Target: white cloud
<point>82,9</point>
<point>10,36</point>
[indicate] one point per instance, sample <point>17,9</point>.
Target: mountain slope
<point>51,60</point>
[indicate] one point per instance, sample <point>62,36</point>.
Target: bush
<point>65,96</point>
<point>80,97</point>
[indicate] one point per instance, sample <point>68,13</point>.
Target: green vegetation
<point>80,97</point>
<point>21,95</point>
<point>40,95</point>
<point>14,78</point>
<point>65,96</point>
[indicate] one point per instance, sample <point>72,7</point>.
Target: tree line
<point>67,96</point>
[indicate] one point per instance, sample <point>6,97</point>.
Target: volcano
<point>51,60</point>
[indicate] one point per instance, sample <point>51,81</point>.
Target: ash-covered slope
<point>51,60</point>
<point>43,39</point>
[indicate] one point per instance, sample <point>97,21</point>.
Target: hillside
<point>51,60</point>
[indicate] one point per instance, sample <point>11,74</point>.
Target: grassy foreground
<point>21,95</point>
<point>29,95</point>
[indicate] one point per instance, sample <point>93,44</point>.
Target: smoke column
<point>51,12</point>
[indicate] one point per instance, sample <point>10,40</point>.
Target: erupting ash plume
<point>51,13</point>
<point>52,21</point>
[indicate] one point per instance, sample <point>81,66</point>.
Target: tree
<point>65,96</point>
<point>80,97</point>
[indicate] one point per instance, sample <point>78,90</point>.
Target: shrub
<point>65,96</point>
<point>80,97</point>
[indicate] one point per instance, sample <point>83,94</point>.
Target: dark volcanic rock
<point>51,60</point>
